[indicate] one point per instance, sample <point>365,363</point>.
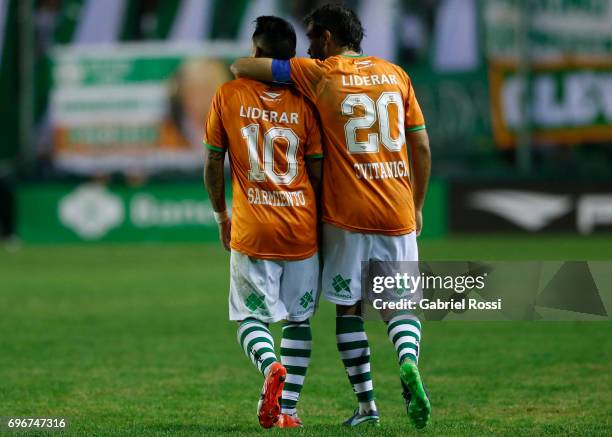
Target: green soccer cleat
<point>371,418</point>
<point>418,406</point>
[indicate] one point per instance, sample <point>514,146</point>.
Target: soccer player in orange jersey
<point>372,193</point>
<point>273,139</point>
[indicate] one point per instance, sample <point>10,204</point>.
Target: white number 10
<point>369,118</point>
<point>251,134</point>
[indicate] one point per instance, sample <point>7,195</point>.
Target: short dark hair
<point>275,37</point>
<point>342,22</point>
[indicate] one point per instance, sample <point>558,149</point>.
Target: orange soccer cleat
<point>268,409</point>
<point>288,421</point>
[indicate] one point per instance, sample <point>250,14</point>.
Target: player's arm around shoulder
<point>254,68</point>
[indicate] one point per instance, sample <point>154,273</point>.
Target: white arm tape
<point>221,217</point>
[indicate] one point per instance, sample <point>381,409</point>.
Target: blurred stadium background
<point>103,103</point>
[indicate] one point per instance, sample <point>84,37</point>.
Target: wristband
<point>281,71</point>
<point>221,217</point>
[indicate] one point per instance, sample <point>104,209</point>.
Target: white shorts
<point>273,290</point>
<point>343,252</point>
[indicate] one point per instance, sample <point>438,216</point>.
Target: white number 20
<point>251,134</point>
<point>369,118</point>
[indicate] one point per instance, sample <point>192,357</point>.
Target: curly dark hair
<point>275,37</point>
<point>342,22</point>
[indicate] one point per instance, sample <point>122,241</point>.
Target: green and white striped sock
<point>295,356</point>
<point>404,331</point>
<point>354,349</point>
<point>257,343</point>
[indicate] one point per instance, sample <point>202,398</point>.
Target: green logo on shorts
<point>256,302</point>
<point>306,299</point>
<point>401,290</point>
<point>342,286</point>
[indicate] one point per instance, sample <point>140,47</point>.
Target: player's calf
<point>295,356</point>
<point>354,349</point>
<point>257,343</point>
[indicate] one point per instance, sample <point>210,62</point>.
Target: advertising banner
<point>94,212</point>
<point>530,207</point>
<point>569,103</point>
<point>550,70</point>
<point>134,108</point>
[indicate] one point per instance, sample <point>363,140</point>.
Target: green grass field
<point>134,340</point>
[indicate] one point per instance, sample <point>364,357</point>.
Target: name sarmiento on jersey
<point>272,116</point>
<point>381,170</point>
<point>276,198</point>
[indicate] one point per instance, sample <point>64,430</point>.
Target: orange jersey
<point>365,106</point>
<point>268,131</point>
